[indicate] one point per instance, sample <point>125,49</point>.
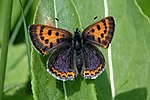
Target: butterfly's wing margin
<point>101,32</point>
<point>94,62</point>
<point>46,38</point>
<point>61,64</point>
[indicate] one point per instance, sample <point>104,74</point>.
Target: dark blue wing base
<point>61,64</point>
<point>94,62</point>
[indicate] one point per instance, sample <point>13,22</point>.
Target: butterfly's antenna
<point>95,17</point>
<point>56,19</point>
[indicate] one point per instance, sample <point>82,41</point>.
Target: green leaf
<point>4,49</point>
<point>130,51</point>
<point>18,29</point>
<point>30,14</point>
<point>16,13</point>
<point>23,93</point>
<point>17,71</point>
<point>144,4</point>
<point>130,47</point>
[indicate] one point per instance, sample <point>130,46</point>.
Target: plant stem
<point>26,37</point>
<point>19,23</point>
<point>65,92</point>
<point>6,32</point>
<point>110,59</point>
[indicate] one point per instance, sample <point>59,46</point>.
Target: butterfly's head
<point>77,32</point>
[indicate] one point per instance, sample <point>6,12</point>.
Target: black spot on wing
<point>99,39</point>
<point>102,35</point>
<point>104,22</point>
<point>92,30</point>
<point>42,28</point>
<point>105,31</point>
<point>58,41</point>
<point>42,38</point>
<point>57,33</point>
<point>46,41</point>
<point>98,27</point>
<point>49,32</point>
<point>51,44</point>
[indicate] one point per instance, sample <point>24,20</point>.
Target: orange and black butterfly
<point>73,55</point>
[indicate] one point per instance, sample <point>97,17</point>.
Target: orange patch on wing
<point>92,72</point>
<point>101,32</point>
<point>63,74</point>
<point>45,38</point>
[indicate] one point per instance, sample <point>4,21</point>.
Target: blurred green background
<point>126,49</point>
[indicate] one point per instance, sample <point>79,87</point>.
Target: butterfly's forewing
<point>101,32</point>
<point>94,62</point>
<point>46,38</point>
<point>61,64</point>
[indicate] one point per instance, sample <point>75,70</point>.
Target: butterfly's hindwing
<point>94,62</point>
<point>61,64</point>
<point>46,38</point>
<point>101,32</point>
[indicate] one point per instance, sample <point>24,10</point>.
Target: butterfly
<point>70,54</point>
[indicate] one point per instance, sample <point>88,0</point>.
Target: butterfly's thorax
<point>77,40</point>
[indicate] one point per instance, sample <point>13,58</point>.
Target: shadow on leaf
<point>72,86</point>
<point>135,94</point>
<point>103,88</point>
<point>23,93</point>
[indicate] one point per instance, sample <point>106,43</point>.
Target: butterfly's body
<point>77,46</point>
<point>73,55</point>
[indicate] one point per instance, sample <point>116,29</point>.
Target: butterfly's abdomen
<point>77,49</point>
<point>79,61</point>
